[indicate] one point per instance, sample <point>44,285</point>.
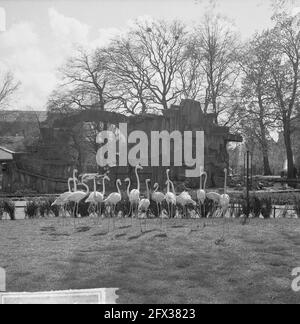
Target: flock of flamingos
<point>139,206</point>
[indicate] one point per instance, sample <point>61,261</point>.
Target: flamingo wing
<point>224,201</point>
<point>144,204</point>
<point>61,199</point>
<point>98,197</point>
<point>201,195</point>
<point>134,195</point>
<point>213,196</point>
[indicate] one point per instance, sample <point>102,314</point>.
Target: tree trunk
<point>289,150</point>
<point>265,150</point>
<point>164,103</point>
<point>267,169</point>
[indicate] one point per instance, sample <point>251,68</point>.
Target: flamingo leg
<point>137,211</point>
<point>100,212</point>
<point>73,212</point>
<point>141,225</point>
<point>109,216</point>
<point>158,210</point>
<point>97,208</point>
<point>131,213</point>
<point>146,219</point>
<point>114,215</point>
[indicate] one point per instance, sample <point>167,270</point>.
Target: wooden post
<point>2,280</point>
<point>247,185</point>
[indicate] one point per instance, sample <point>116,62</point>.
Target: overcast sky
<point>36,36</point>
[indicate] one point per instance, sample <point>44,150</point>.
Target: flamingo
<point>201,193</point>
<point>158,198</point>
<point>144,204</point>
<point>130,198</point>
<point>225,199</point>
<point>170,197</point>
<point>78,195</point>
<point>215,197</point>
<point>113,199</point>
<point>183,199</point>
<point>97,197</point>
<point>61,200</point>
<point>134,194</point>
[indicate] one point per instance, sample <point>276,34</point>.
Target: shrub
<point>1,209</point>
<point>7,206</point>
<point>32,208</point>
<point>255,206</point>
<point>266,207</point>
<point>124,206</point>
<point>297,206</point>
<point>53,209</point>
<point>45,207</point>
<point>83,208</point>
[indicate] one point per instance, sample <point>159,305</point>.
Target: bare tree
<point>163,47</point>
<point>127,77</point>
<point>216,47</point>
<point>146,64</point>
<point>284,65</point>
<point>260,116</point>
<point>191,75</point>
<point>86,76</point>
<point>8,86</point>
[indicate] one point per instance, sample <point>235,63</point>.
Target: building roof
<point>6,155</point>
<point>7,150</point>
<point>10,116</point>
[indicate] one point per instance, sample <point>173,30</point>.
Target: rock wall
<point>46,171</point>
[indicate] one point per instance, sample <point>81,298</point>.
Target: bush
<point>255,206</point>
<point>266,207</point>
<point>45,207</point>
<point>53,209</point>
<point>297,206</point>
<point>276,198</point>
<point>7,206</point>
<point>32,209</point>
<point>83,208</point>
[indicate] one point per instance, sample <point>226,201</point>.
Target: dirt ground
<point>184,261</point>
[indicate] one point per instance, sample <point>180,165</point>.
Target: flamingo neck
<point>87,188</point>
<point>117,185</point>
<point>138,179</point>
<point>168,176</point>
<point>173,189</point>
<point>168,181</point>
<point>103,185</point>
<point>69,184</point>
<point>205,180</point>
<point>128,188</point>
<point>148,191</point>
<point>225,183</point>
<point>74,179</point>
<point>95,185</point>
<point>201,180</point>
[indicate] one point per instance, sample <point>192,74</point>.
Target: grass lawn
<point>186,263</point>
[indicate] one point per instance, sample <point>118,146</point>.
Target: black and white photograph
<point>149,154</point>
